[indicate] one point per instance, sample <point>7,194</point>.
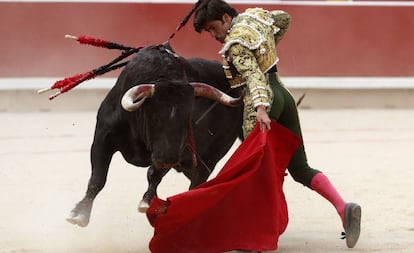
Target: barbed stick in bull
<point>183,22</point>
<point>82,39</point>
<point>68,83</point>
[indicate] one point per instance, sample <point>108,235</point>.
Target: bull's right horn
<point>136,96</point>
<point>208,91</point>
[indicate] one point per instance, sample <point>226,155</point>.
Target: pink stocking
<point>321,184</point>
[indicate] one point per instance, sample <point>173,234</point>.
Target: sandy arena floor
<point>44,168</point>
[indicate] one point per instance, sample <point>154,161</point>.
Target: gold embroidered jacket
<point>249,51</point>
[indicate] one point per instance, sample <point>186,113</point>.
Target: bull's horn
<point>136,96</point>
<point>208,91</point>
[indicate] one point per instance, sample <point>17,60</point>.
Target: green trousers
<point>284,111</point>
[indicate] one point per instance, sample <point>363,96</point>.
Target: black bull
<point>171,129</point>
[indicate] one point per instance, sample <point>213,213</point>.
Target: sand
<point>44,169</point>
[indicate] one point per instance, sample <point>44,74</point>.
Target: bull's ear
<point>208,91</point>
<point>135,96</point>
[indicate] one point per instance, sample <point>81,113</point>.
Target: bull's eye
<point>172,114</point>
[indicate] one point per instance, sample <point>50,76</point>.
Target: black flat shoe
<point>352,223</point>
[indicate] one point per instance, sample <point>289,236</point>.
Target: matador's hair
<point>209,10</point>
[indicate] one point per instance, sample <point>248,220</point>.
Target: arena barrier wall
<point>337,39</point>
<point>341,54</point>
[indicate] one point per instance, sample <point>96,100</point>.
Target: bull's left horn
<point>136,96</point>
<point>208,91</point>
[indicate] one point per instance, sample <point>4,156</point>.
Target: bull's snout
<point>166,158</point>
<point>164,165</point>
<point>168,150</point>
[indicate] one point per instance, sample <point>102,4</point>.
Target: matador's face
<point>218,29</point>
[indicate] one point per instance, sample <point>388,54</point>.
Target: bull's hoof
<point>78,219</point>
<point>143,206</point>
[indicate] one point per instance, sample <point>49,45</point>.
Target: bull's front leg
<point>154,177</point>
<point>200,174</point>
<point>101,156</point>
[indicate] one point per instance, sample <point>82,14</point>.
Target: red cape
<point>243,207</point>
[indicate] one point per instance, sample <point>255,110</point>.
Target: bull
<point>170,118</point>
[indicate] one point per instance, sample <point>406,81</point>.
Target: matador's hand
<point>263,118</point>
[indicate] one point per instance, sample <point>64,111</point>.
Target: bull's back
<point>210,72</point>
